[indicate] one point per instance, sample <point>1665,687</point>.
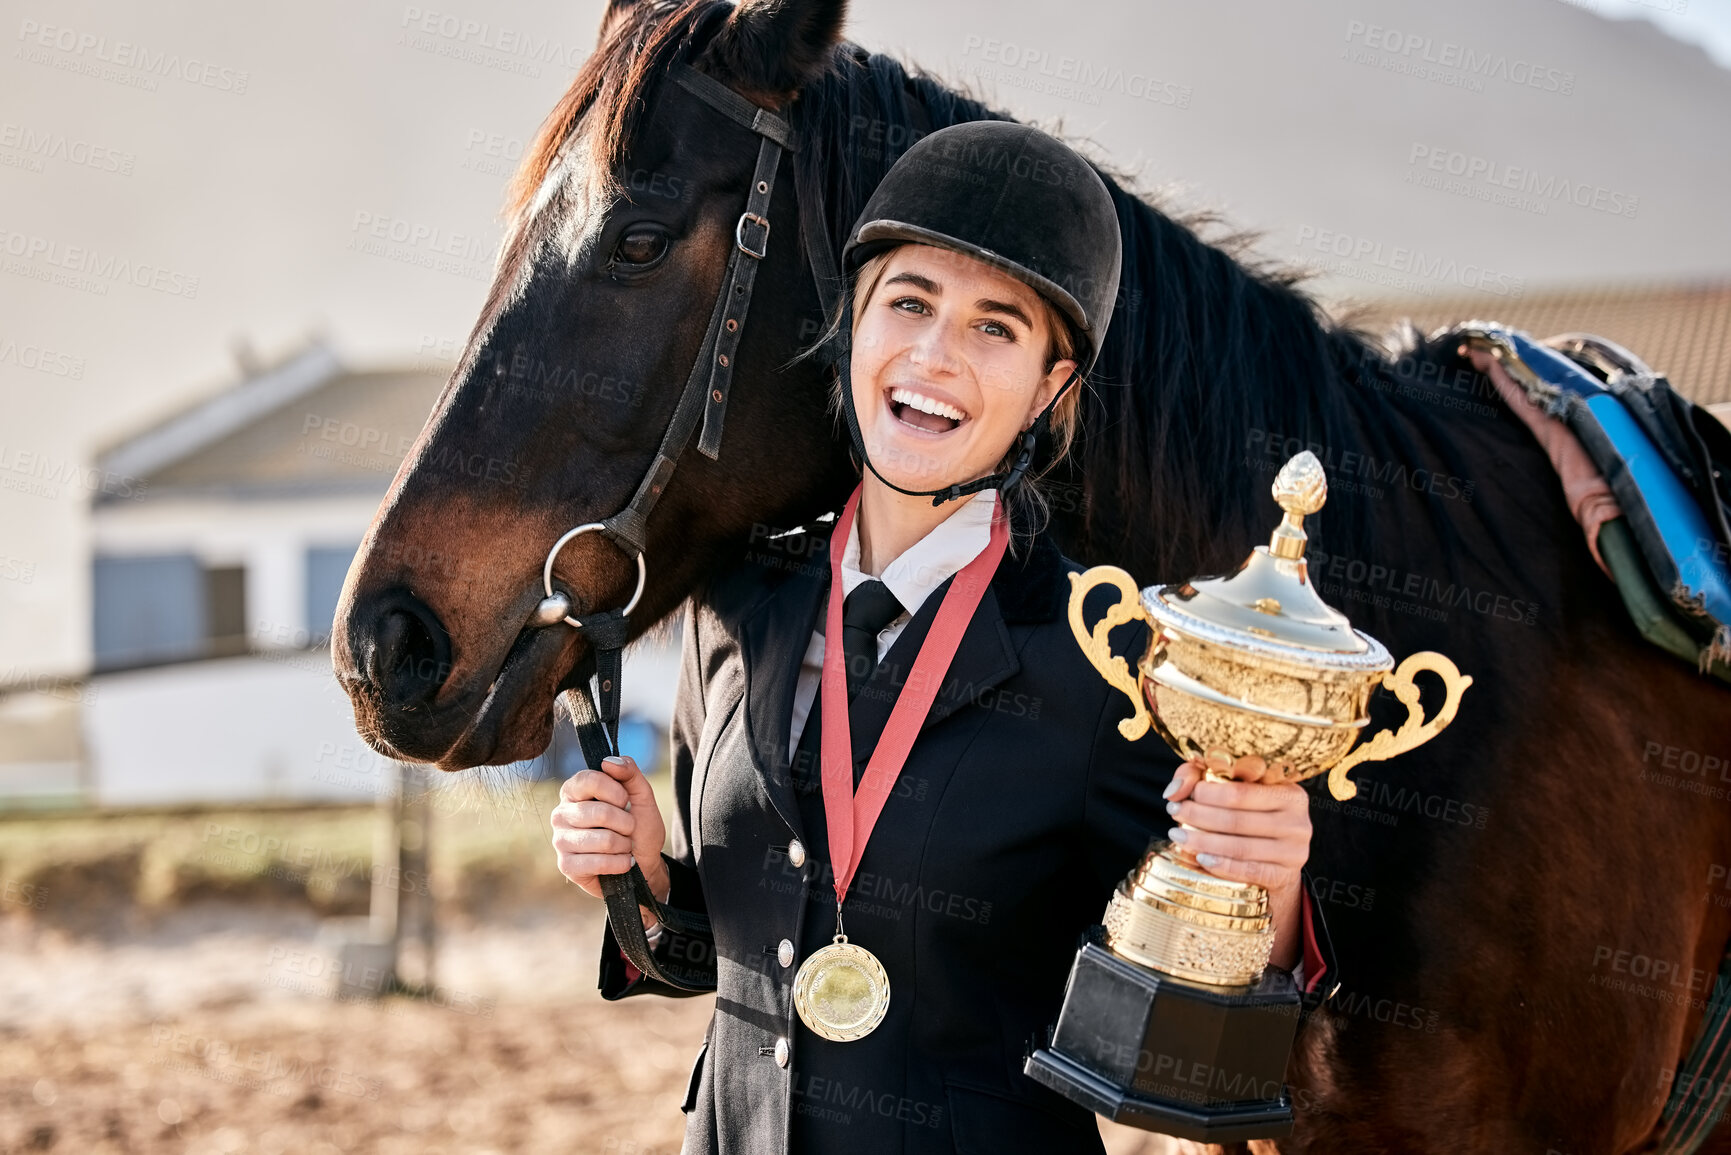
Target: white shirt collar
<point>930,561</point>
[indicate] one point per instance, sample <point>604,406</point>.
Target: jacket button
<point>781,1052</point>
<point>796,852</point>
<point>784,953</point>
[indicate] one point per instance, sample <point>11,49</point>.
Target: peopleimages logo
<point>1273,448</point>
<point>1482,178</point>
<point>1414,49</point>
<point>40,358</point>
<point>83,51</point>
<point>82,267</point>
<point>481,42</point>
<point>1416,263</point>
<point>42,475</point>
<point>1390,587</point>
<point>429,246</point>
<point>1036,68</point>
<point>23,146</point>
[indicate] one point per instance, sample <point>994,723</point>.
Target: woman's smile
<point>924,410</point>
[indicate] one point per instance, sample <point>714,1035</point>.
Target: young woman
<point>948,788</point>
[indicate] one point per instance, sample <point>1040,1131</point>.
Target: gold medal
<point>841,991</point>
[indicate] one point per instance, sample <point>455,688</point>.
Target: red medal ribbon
<point>852,817</point>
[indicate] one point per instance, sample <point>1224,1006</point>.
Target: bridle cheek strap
<point>705,396</point>
<point>710,382</point>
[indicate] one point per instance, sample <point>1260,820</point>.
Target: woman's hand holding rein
<point>605,820</point>
<point>1248,830</point>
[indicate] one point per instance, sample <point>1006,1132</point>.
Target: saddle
<point>1664,531</point>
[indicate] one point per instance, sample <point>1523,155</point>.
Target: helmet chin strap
<point>1002,481</point>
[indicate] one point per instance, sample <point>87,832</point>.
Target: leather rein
<point>705,396</point>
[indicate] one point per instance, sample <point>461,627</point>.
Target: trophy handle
<point>1094,642</point>
<point>1415,731</point>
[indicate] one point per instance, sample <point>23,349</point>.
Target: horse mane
<point>1213,350</point>
<point>617,81</point>
<point>1208,343</point>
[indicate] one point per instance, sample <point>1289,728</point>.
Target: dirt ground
<point>214,1032</point>
<point>210,1029</point>
<point>166,984</point>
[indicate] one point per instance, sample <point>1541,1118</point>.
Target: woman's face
<point>948,366</point>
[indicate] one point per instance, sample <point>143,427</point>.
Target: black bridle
<point>705,396</point>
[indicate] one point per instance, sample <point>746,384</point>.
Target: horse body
<point>1541,865</point>
<point>1501,898</point>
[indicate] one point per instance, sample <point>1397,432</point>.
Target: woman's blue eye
<point>1002,329</point>
<point>900,301</point>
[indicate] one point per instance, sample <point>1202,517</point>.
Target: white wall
<point>246,729</point>
<point>265,728</point>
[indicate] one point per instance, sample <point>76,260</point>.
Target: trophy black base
<point>1164,1054</point>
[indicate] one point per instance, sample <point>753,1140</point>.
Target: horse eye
<point>641,246</point>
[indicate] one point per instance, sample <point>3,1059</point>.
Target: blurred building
<point>234,521</point>
<point>220,547</point>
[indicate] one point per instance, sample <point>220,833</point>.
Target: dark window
<point>327,569</point>
<point>166,608</point>
<point>148,609</point>
<point>225,609</point>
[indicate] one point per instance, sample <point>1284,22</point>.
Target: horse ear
<point>774,47</point>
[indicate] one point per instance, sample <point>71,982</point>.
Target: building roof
<point>304,427</point>
<point>1682,331</point>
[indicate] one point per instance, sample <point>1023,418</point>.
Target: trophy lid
<point>1268,603</point>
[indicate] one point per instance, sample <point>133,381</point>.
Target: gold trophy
<point>1176,981</point>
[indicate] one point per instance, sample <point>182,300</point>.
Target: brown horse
<point>1529,911</point>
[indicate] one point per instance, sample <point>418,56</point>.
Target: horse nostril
<point>410,656</point>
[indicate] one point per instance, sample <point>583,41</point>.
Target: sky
<point>1703,22</point>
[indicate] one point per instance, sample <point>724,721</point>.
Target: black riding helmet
<point>1018,199</point>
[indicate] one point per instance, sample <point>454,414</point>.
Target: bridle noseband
<point>705,395</point>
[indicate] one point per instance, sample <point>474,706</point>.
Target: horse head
<point>620,229</point>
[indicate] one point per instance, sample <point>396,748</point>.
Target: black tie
<point>864,614</point>
<point>866,611</point>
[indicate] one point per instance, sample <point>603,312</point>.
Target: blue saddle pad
<point>1667,461</point>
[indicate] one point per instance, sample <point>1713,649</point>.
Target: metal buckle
<point>1495,339</point>
<point>739,234</point>
<point>1601,355</point>
<point>547,572</point>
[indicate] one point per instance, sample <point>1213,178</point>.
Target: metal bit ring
<point>551,602</point>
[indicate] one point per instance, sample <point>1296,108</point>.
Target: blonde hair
<point>1032,507</point>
